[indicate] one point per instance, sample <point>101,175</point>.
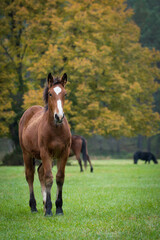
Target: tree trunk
<point>17,106</point>
<point>158,145</point>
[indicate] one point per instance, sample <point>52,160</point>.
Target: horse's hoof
<point>48,214</point>
<point>91,169</point>
<point>59,212</point>
<point>34,210</point>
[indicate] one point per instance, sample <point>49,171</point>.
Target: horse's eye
<point>50,94</point>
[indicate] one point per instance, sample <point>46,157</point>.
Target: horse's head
<point>55,96</point>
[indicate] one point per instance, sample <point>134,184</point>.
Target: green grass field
<point>119,200</point>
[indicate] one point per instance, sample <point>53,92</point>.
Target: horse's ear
<point>64,79</point>
<point>50,80</point>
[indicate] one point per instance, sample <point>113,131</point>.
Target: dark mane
<point>45,92</point>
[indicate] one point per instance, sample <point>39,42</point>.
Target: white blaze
<point>57,90</point>
<point>60,109</point>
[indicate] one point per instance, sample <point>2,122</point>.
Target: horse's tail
<point>84,151</point>
<point>154,159</point>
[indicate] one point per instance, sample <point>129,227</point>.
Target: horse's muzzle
<point>58,119</point>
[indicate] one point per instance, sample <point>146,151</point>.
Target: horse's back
<point>76,145</point>
<point>28,122</point>
<point>143,155</point>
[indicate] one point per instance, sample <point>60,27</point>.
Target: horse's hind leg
<point>29,163</point>
<point>79,161</point>
<point>91,167</point>
<point>80,164</point>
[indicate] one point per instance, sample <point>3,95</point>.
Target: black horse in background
<point>145,156</point>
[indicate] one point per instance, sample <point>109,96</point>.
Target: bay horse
<point>44,134</point>
<point>145,156</point>
<point>78,146</point>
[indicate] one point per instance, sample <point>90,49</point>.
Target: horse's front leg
<point>48,180</point>
<point>29,172</point>
<point>61,163</point>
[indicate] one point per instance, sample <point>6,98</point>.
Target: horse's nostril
<point>56,117</point>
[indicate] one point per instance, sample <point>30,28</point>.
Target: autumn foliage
<point>111,77</point>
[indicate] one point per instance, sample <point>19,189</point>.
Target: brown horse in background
<point>44,134</point>
<point>78,146</point>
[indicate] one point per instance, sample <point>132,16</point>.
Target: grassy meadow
<point>119,200</point>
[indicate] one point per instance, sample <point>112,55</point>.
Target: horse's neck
<point>50,119</point>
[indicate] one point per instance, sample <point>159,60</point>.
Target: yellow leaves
<point>111,122</point>
<point>93,106</point>
<point>143,122</point>
<point>83,125</point>
<point>96,10</point>
<point>69,110</point>
<point>4,130</point>
<point>72,6</point>
<point>6,113</point>
<point>106,50</point>
<point>33,97</point>
<point>93,110</point>
<point>135,89</point>
<point>81,64</point>
<point>81,17</point>
<point>44,65</point>
<point>86,46</point>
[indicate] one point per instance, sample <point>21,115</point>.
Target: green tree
<point>147,17</point>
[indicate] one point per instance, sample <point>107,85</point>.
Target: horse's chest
<point>58,147</point>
